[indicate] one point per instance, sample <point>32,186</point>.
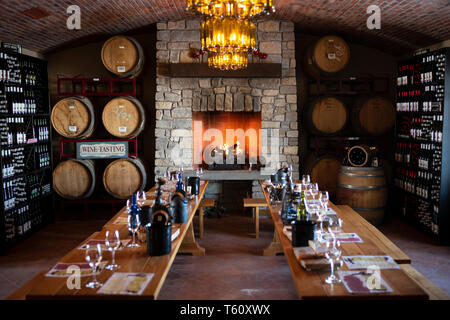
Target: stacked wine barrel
<point>123,56</point>
<point>122,117</point>
<point>340,115</point>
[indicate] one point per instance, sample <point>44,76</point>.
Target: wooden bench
<point>255,204</point>
<point>206,202</point>
<point>430,288</point>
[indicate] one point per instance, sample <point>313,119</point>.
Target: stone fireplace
<point>181,101</point>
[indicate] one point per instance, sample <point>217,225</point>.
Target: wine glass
<point>322,213</point>
<point>334,256</point>
<point>335,225</point>
<point>314,190</point>
<point>112,242</point>
<point>306,179</point>
<point>324,197</point>
<point>311,205</point>
<point>128,205</point>
<point>93,257</point>
<point>133,226</point>
<point>141,198</point>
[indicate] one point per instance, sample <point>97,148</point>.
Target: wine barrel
<point>124,177</point>
<point>326,116</point>
<point>365,190</point>
<point>323,170</point>
<point>74,179</point>
<point>123,56</point>
<point>124,117</point>
<point>330,54</point>
<point>73,117</point>
<point>374,116</point>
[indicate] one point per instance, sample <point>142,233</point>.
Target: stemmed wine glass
<point>314,190</point>
<point>324,199</point>
<point>133,226</point>
<point>322,213</point>
<point>167,175</point>
<point>334,257</point>
<point>93,257</point>
<point>311,205</point>
<point>141,198</point>
<point>306,179</point>
<point>335,225</point>
<point>112,242</point>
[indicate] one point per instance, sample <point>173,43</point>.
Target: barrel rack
<point>349,85</point>
<point>95,87</point>
<point>339,143</point>
<point>98,87</point>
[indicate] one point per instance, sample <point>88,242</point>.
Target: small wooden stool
<point>206,202</point>
<point>255,203</point>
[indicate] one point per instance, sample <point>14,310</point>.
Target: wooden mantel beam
<point>201,70</point>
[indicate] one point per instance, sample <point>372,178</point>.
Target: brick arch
<point>406,25</point>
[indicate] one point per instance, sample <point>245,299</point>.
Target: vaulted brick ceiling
<point>405,24</point>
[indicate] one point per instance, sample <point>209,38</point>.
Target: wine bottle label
<point>122,129</point>
<point>72,128</point>
<point>120,68</point>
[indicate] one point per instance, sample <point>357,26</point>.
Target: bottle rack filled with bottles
<point>422,142</point>
<point>25,147</point>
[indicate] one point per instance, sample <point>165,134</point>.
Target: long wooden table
<point>129,259</point>
<point>311,285</point>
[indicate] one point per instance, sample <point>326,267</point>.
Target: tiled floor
<point>431,260</point>
<point>232,269</point>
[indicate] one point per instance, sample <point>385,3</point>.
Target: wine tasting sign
<point>102,150</point>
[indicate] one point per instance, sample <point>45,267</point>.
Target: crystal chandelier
<point>228,34</point>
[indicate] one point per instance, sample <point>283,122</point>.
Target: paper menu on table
<point>363,282</point>
<point>59,270</point>
<point>175,232</point>
<point>343,237</point>
<point>94,242</point>
<point>364,262</point>
<point>121,220</point>
<point>126,283</point>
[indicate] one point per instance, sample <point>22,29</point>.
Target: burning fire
<point>226,148</point>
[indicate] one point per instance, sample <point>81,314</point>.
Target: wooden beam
<point>201,70</point>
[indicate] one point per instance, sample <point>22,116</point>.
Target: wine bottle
<point>180,184</point>
<point>134,209</point>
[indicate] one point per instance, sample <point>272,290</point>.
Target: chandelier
<point>228,34</point>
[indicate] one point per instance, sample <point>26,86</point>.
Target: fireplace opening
<point>226,140</point>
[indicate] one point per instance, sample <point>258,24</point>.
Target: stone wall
<point>176,98</point>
